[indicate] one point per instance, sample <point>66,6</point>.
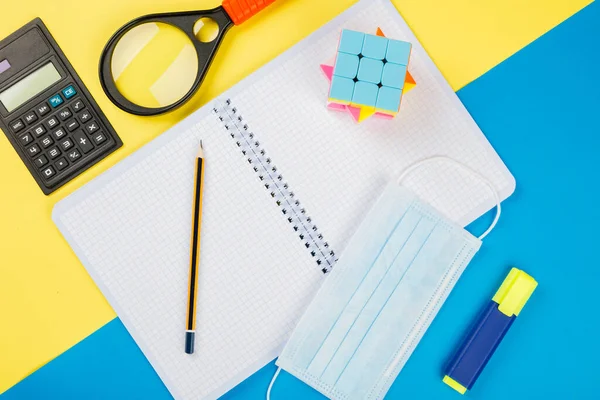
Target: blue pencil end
<point>190,338</point>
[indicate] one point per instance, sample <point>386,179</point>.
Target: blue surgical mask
<point>381,297</point>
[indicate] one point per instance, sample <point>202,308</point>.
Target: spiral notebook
<point>286,184</point>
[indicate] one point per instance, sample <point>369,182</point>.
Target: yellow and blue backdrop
<point>527,70</point>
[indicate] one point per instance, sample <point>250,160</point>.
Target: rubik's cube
<point>370,75</point>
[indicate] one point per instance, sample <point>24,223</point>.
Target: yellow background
<point>48,302</point>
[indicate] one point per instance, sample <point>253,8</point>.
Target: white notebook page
<point>130,227</point>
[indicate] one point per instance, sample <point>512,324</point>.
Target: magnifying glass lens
<point>154,65</point>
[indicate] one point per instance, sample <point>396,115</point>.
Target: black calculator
<point>46,112</point>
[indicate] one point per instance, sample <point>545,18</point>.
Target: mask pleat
<point>362,258</point>
<point>400,315</point>
<point>376,304</point>
<point>356,314</point>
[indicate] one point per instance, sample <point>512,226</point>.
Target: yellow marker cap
<point>454,385</point>
<point>514,292</point>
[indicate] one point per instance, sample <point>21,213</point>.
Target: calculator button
<point>65,114</point>
<point>17,126</point>
<point>59,133</point>
<point>78,105</point>
<point>33,150</point>
<point>99,138</point>
<point>66,144</point>
<point>91,127</point>
<point>85,116</point>
<point>83,141</point>
<point>30,117</point>
<point>26,139</point>
<point>56,100</point>
<point>39,130</point>
<point>53,153</point>
<point>61,164</point>
<point>72,125</point>
<point>73,155</point>
<point>46,142</point>
<point>43,109</point>
<point>48,172</point>
<point>52,123</point>
<point>69,92</point>
<point>40,161</point>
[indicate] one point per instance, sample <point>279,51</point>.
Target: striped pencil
<point>190,332</point>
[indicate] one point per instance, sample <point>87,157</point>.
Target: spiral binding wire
<point>269,175</point>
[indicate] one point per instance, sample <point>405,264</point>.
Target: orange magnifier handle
<point>241,10</point>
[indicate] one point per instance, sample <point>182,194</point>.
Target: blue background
<point>540,109</point>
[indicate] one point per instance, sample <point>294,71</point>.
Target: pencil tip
<point>201,144</point>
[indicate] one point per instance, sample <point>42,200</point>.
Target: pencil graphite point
<point>201,150</point>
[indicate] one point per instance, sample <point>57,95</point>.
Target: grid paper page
<point>337,167</point>
<point>130,227</point>
<point>132,232</point>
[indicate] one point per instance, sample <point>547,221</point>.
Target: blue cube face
<point>365,94</point>
<point>375,47</point>
<point>370,70</point>
<point>398,52</point>
<point>394,75</point>
<point>341,89</point>
<point>388,99</point>
<point>351,42</point>
<point>346,65</point>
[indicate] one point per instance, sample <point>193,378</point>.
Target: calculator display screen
<point>30,86</point>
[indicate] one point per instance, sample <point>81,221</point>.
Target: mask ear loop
<point>477,175</point>
<point>272,382</point>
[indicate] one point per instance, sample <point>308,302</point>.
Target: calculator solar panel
<point>46,112</point>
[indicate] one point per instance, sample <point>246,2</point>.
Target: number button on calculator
<point>52,123</point>
<point>48,172</point>
<point>47,142</point>
<point>33,150</point>
<point>39,130</point>
<point>54,152</point>
<point>26,139</point>
<point>41,161</point>
<point>66,144</point>
<point>59,133</point>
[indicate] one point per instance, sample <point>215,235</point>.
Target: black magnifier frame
<point>185,21</point>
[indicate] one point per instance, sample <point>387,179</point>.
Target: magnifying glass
<point>155,63</point>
